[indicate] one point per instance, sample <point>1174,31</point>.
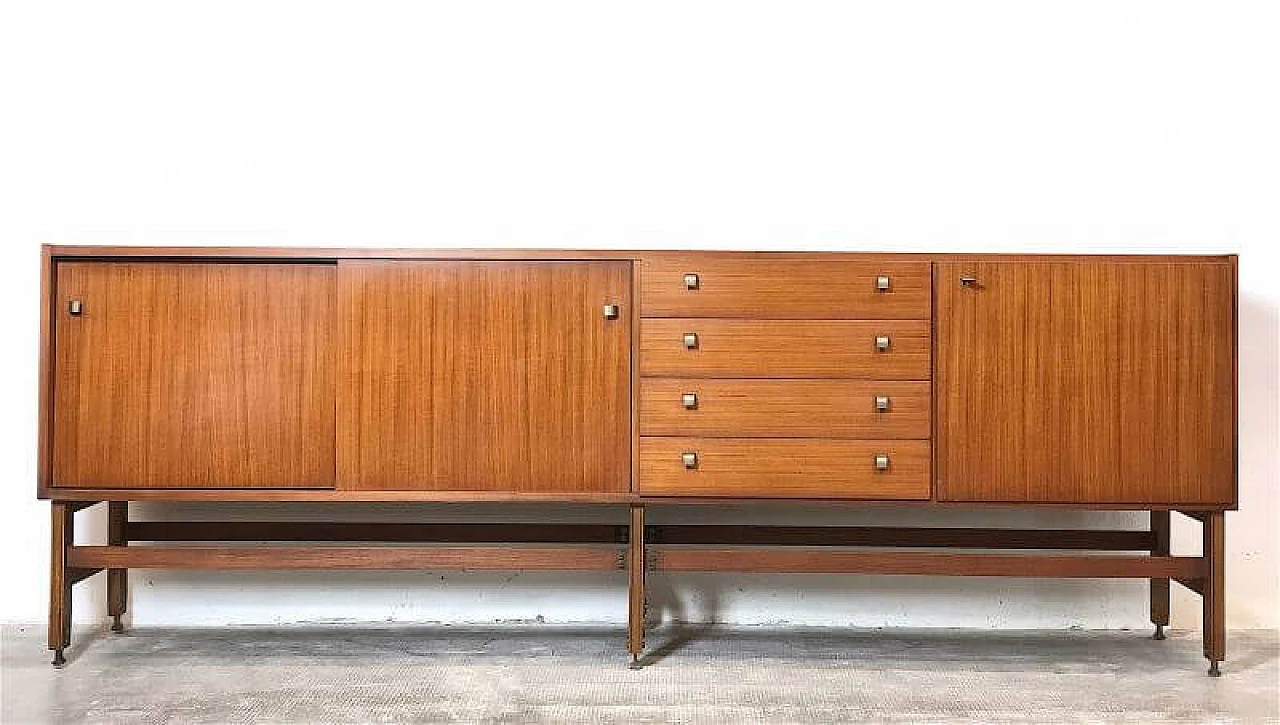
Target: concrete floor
<point>549,674</point>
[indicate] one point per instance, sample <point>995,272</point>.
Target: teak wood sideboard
<point>625,379</point>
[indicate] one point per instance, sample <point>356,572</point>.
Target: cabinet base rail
<point>640,550</point>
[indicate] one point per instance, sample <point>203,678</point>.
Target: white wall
<point>987,126</point>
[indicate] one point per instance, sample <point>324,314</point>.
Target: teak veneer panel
<point>785,349</point>
<point>786,468</point>
<point>485,376</point>
<point>785,408</point>
<point>194,375</point>
<point>764,287</point>
<point>1086,382</point>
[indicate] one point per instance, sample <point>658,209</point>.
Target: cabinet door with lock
<point>193,375</point>
<point>485,376</point>
<point>1086,381</point>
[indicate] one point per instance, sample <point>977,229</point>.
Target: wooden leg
<point>636,593</point>
<point>61,536</point>
<point>1160,587</point>
<point>117,579</point>
<point>1215,630</point>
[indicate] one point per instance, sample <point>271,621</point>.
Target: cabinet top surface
<point>501,253</point>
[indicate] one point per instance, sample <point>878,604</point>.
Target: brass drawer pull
<point>882,462</point>
<point>610,312</point>
<point>690,340</point>
<point>882,283</point>
<point>75,307</point>
<point>691,281</point>
<point>689,401</point>
<point>882,403</point>
<point>689,459</point>
<point>882,343</point>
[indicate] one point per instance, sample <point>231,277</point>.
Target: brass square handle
<point>882,403</point>
<point>882,283</point>
<point>75,307</point>
<point>611,312</point>
<point>882,343</point>
<point>882,462</point>
<point>690,459</point>
<point>690,340</point>
<point>689,401</point>
<point>691,281</point>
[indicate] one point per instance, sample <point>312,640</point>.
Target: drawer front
<point>786,468</point>
<point>784,408</point>
<point>785,349</point>
<point>769,287</point>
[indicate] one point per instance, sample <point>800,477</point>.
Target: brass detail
<point>968,281</point>
<point>691,281</point>
<point>689,401</point>
<point>882,403</point>
<point>610,312</point>
<point>882,343</point>
<point>690,459</point>
<point>690,340</point>
<point>75,307</point>
<point>882,283</point>
<point>882,462</point>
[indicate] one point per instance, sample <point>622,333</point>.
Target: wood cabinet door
<point>193,375</point>
<point>485,376</point>
<point>1086,382</point>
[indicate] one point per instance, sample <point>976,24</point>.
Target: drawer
<point>784,468</point>
<point>750,286</point>
<point>784,408</point>
<point>785,349</point>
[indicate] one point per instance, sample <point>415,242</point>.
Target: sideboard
<point>624,379</point>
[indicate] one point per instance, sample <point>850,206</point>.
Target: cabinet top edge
<point>75,251</point>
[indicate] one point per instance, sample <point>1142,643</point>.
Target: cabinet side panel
<point>193,375</point>
<point>44,434</point>
<point>1085,382</point>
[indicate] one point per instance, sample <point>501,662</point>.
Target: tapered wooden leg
<point>636,593</point>
<point>1160,587</point>
<point>1215,628</point>
<point>61,536</point>
<point>117,579</point>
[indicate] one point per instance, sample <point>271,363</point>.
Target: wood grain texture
<point>795,467</point>
<point>485,376</point>
<point>195,375</point>
<point>836,287</point>
<point>1086,382</point>
<point>784,408</point>
<point>785,349</point>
